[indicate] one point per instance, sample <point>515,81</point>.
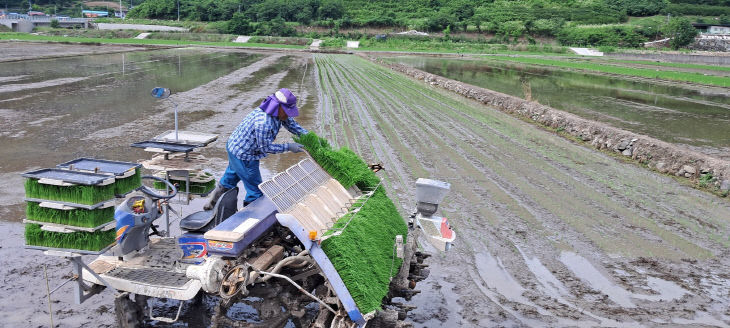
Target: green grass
<point>77,194</point>
<point>448,46</point>
<point>363,253</point>
<point>90,241</point>
<point>125,185</point>
<point>641,72</point>
<point>47,38</point>
<point>76,217</point>
<point>678,65</point>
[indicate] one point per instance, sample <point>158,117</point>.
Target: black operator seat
<point>203,221</point>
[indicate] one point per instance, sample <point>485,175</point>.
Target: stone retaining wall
<point>711,43</point>
<point>658,155</point>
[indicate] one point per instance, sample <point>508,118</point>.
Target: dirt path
<point>550,233</point>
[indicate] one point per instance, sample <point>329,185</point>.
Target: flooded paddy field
<point>692,115</point>
<point>550,233</point>
<point>18,51</point>
<point>56,110</point>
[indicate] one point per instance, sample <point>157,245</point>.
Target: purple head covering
<point>283,97</point>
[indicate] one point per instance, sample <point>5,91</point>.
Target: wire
<point>298,287</point>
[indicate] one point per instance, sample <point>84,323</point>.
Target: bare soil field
<point>550,233</point>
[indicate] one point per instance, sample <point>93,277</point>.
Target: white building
<point>718,29</point>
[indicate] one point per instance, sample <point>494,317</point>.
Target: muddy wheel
<point>127,312</point>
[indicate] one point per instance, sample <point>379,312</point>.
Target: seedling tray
<point>159,146</point>
<point>75,228</point>
<point>187,137</point>
<point>118,169</point>
<point>76,205</point>
<point>66,216</point>
<point>70,250</point>
<point>68,240</point>
<point>70,177</point>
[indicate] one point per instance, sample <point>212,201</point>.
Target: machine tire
<point>127,312</point>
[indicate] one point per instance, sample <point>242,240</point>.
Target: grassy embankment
<point>611,69</point>
<point>677,65</point>
<point>202,39</point>
<point>52,38</point>
<point>448,46</point>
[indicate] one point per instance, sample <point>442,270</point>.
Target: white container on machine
<point>431,191</point>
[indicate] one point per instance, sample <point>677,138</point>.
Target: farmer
<point>253,140</point>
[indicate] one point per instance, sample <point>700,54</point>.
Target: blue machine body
<point>125,223</point>
<point>194,247</point>
<point>262,209</point>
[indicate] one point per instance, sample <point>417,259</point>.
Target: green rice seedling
<point>90,241</point>
<point>364,253</point>
<point>343,164</point>
<point>125,185</point>
<point>76,217</point>
<point>77,194</point>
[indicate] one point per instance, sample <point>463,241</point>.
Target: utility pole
<point>30,6</point>
<point>178,10</point>
<point>121,13</point>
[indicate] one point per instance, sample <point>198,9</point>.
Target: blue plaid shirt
<point>253,138</point>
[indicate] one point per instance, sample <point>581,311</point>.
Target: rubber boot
<point>213,198</point>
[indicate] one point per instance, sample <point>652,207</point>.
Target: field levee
<point>718,58</point>
<point>658,155</point>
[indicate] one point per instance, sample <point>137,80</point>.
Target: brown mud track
<point>550,233</point>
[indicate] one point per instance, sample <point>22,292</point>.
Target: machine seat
<point>203,221</point>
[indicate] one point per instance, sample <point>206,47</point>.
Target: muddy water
<point>54,103</point>
<point>695,116</point>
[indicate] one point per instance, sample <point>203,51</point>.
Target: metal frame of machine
<point>267,248</point>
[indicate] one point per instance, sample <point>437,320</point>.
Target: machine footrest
<point>153,277</point>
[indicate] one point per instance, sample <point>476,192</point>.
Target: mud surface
<point>18,51</point>
<point>550,233</point>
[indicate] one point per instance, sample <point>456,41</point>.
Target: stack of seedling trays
<point>71,208</point>
<point>178,163</point>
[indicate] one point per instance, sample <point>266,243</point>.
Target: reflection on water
<point>670,113</point>
<point>47,106</point>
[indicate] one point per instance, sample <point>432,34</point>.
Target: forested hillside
<point>571,22</point>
